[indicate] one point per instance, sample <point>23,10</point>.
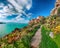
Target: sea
<point>9,27</point>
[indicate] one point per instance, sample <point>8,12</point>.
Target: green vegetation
<point>52,24</point>
<point>23,41</point>
<point>57,40</point>
<point>21,38</point>
<point>58,11</point>
<point>46,41</point>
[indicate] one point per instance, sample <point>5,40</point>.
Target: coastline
<point>36,34</point>
<point>18,33</point>
<point>10,27</point>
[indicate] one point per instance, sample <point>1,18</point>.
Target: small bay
<point>9,27</point>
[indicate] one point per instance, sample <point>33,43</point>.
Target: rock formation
<point>54,10</point>
<point>39,19</point>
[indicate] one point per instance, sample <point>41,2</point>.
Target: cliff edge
<point>57,6</point>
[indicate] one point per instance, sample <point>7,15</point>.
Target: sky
<point>42,7</point>
<point>22,11</point>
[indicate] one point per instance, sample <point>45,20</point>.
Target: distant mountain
<point>2,22</point>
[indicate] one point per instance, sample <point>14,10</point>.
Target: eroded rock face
<point>54,10</point>
<point>57,0</point>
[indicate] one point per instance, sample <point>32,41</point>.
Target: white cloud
<point>20,20</point>
<point>1,5</point>
<point>18,16</point>
<point>26,3</point>
<point>5,11</point>
<point>28,6</point>
<point>19,6</point>
<point>16,6</point>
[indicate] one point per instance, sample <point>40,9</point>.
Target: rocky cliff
<point>57,6</point>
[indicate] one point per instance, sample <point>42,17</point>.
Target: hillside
<point>50,32</point>
<point>54,19</point>
<point>51,29</point>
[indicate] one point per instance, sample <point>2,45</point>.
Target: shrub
<point>56,30</point>
<point>58,11</point>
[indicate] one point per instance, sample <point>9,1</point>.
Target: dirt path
<point>36,39</point>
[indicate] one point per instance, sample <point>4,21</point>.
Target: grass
<point>57,40</point>
<point>47,42</point>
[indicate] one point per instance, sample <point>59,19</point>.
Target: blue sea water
<point>9,27</point>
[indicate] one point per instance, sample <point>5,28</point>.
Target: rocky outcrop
<point>55,10</point>
<point>39,19</point>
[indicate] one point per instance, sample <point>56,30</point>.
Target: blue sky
<point>42,7</point>
<point>23,10</point>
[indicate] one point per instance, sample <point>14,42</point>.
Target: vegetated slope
<point>46,41</point>
<point>53,21</point>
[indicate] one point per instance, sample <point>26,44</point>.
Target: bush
<point>56,30</point>
<point>58,11</point>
